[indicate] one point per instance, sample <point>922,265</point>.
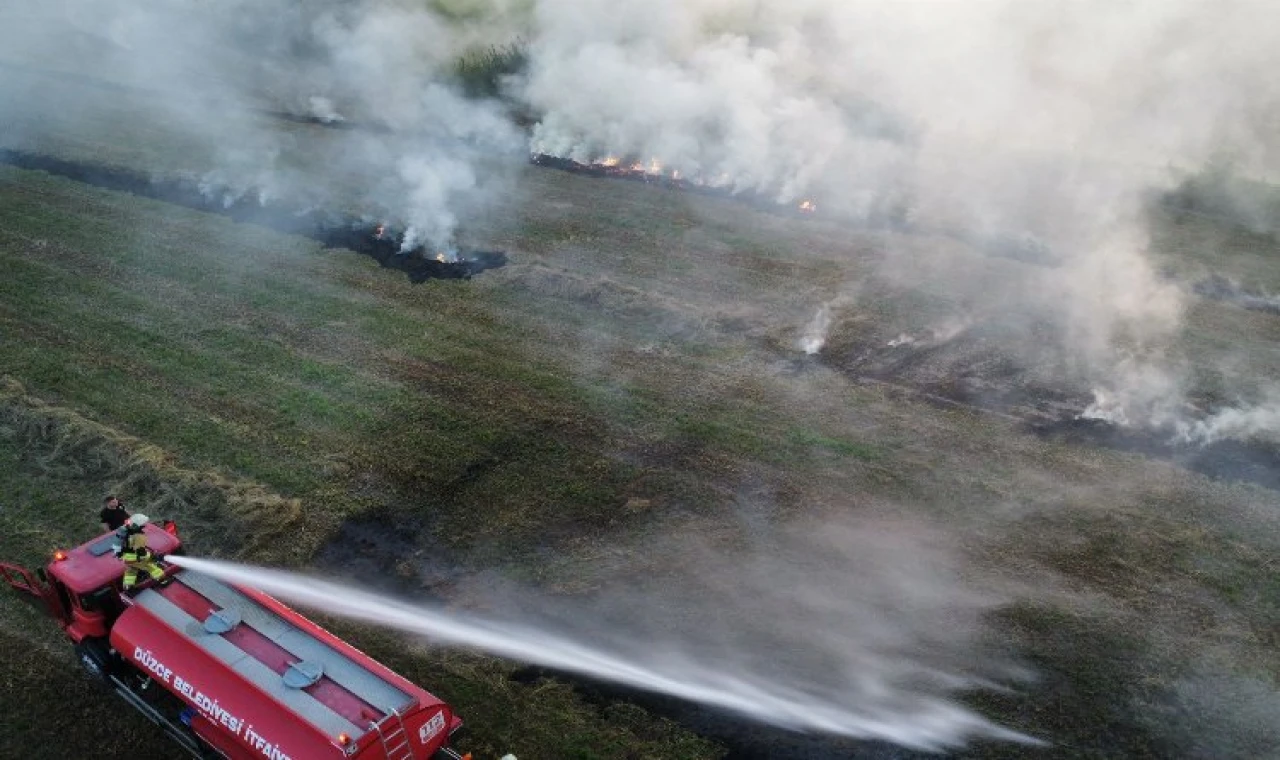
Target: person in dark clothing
<point>113,513</point>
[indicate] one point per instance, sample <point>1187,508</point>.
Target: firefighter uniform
<point>135,554</point>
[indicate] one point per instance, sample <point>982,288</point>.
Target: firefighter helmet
<point>138,520</point>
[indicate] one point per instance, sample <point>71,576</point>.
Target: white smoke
<point>1146,395</point>
<point>997,119</point>
<point>815,333</point>
<point>1000,120</point>
<point>428,157</point>
<point>1260,422</point>
<point>1150,399</point>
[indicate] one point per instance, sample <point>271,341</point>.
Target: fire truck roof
<point>93,564</point>
<point>312,674</point>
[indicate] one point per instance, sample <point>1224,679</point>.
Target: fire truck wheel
<point>95,658</point>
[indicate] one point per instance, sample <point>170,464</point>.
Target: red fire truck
<point>229,672</point>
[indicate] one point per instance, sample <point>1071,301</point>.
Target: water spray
<point>932,724</point>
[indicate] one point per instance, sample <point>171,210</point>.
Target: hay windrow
<point>214,511</point>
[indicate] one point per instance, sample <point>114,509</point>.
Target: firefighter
<point>113,514</point>
<point>135,553</point>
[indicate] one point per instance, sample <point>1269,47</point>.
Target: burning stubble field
<point>623,410</point>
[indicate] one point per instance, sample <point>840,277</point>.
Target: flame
<point>440,257</point>
<point>654,167</point>
<point>808,207</point>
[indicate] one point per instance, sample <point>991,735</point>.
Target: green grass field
<point>627,376</point>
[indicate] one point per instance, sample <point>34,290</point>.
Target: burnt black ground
<point>1249,462</point>
<point>332,229</point>
<point>624,171</point>
<point>893,218</point>
<point>966,372</point>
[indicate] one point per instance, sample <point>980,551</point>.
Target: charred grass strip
<point>334,230</point>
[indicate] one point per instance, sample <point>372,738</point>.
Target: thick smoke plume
<point>209,72</point>
<point>1045,123</point>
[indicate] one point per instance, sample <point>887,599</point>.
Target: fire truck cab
<point>229,672</point>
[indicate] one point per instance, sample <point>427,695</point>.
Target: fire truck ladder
<point>395,741</point>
